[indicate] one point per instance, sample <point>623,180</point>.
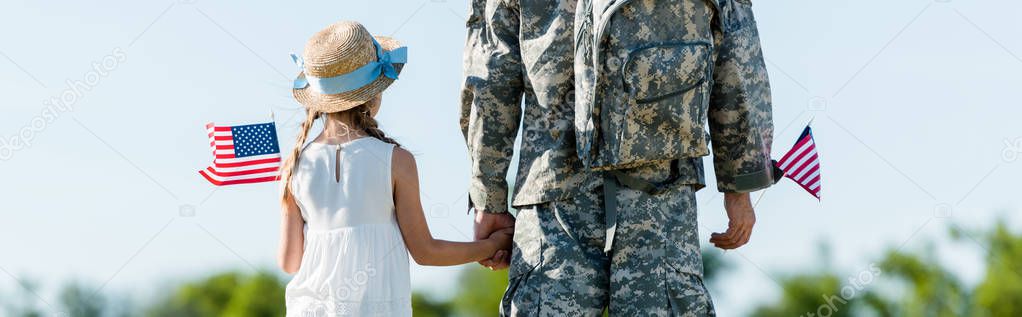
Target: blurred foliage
<point>1000,292</point>
<point>83,300</point>
<point>24,302</point>
<point>73,299</point>
<point>912,284</point>
<point>802,293</point>
<point>713,265</point>
<point>898,283</point>
<point>479,291</point>
<point>225,294</point>
<point>79,301</point>
<point>425,306</point>
<point>931,289</point>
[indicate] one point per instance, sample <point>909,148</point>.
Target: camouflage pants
<point>559,267</point>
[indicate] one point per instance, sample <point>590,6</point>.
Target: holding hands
<point>498,227</point>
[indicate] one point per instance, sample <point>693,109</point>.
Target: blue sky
<point>912,101</point>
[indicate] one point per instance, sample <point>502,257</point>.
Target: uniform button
<point>613,62</point>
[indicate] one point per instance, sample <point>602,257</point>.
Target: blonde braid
<point>287,169</point>
<point>364,119</point>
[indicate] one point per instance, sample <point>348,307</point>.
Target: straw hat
<point>340,49</point>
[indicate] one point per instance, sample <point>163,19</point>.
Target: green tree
<point>916,284</point>
<point>1000,291</point>
<point>930,289</point>
<point>812,294</point>
<point>259,295</point>
<point>425,306</point>
<point>225,294</point>
<point>78,300</point>
<point>479,291</point>
<point>24,302</point>
<point>714,264</point>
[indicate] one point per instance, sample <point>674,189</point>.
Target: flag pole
<point>760,198</point>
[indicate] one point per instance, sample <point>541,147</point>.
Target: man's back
<point>528,49</point>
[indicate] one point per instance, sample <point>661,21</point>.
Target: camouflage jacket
<point>525,51</point>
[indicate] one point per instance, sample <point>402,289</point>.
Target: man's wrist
<point>486,211</point>
<point>736,195</point>
<point>737,199</point>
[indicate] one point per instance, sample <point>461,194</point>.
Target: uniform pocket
<point>668,88</point>
<point>518,297</point>
<point>688,296</point>
<point>658,71</point>
<point>521,295</point>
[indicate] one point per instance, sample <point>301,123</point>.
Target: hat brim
<point>328,103</point>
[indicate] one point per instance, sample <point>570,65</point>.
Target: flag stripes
<point>802,164</point>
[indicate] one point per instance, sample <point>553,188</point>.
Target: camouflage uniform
<point>614,222</point>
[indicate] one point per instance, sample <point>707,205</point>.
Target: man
<point>605,186</point>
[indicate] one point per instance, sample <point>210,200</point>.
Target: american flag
<point>802,164</point>
<point>243,154</point>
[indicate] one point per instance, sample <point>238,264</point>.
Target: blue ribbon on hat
<point>384,65</point>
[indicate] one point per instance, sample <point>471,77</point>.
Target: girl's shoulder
<point>403,164</point>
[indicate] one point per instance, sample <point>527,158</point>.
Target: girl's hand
<point>502,238</point>
<point>485,225</point>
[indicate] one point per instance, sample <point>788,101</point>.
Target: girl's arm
<point>424,249</point>
<point>292,236</point>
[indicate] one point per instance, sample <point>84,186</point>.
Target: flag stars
<point>255,140</point>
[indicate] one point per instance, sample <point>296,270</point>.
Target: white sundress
<point>355,261</point>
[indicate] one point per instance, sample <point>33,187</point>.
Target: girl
<point>351,211</point>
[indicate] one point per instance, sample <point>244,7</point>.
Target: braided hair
<point>363,118</point>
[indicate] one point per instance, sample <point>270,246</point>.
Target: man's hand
<point>741,218</point>
<point>486,224</point>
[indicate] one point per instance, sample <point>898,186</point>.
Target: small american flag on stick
<point>802,164</point>
<point>243,154</point>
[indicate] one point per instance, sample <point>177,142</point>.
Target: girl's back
<point>350,213</point>
<point>355,261</point>
<point>352,189</point>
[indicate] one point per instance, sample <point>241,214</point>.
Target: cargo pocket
<point>519,298</point>
<point>522,297</point>
<point>688,296</point>
<point>668,84</point>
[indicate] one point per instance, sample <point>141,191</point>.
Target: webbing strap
<point>612,178</point>
<point>633,182</point>
<point>610,209</point>
<point>647,186</point>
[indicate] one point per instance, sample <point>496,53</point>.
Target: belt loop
<point>610,209</point>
